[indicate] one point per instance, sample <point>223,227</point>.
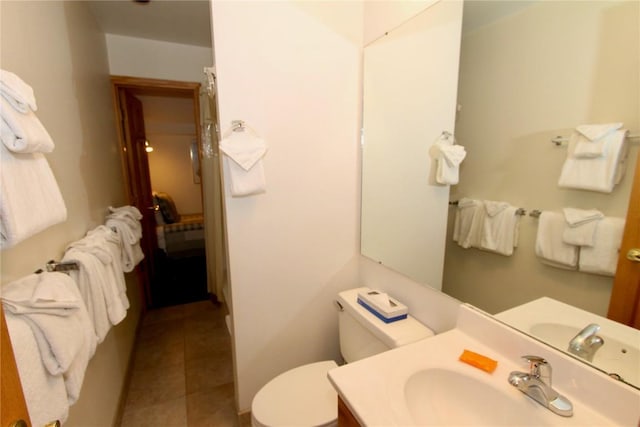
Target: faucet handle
<point>539,368</point>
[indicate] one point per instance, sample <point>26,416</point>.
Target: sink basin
<point>614,357</point>
<point>432,397</point>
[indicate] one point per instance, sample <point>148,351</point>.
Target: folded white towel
<point>500,228</point>
<point>448,161</point>
<point>602,258</point>
<point>112,242</point>
<point>17,92</point>
<point>591,140</point>
<point>23,132</point>
<point>61,339</point>
<point>44,394</point>
<point>598,173</point>
<point>130,234</point>
<point>581,226</point>
<point>244,152</point>
<point>30,200</point>
<point>550,247</point>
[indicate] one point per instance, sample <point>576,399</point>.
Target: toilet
<point>304,395</point>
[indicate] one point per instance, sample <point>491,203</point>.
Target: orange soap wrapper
<point>479,361</point>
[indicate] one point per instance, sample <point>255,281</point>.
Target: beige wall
<point>58,49</point>
<point>523,80</point>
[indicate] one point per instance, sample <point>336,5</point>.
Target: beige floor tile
<point>205,374</point>
<point>156,385</point>
<point>213,408</point>
<point>164,314</point>
<point>157,355</point>
<point>165,332</point>
<point>206,344</point>
<point>170,413</point>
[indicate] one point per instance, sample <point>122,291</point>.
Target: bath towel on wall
<point>602,257</point>
<point>448,161</point>
<point>499,228</point>
<point>244,152</point>
<point>17,92</point>
<point>468,223</point>
<point>600,173</point>
<point>581,225</point>
<point>550,248</point>
<point>23,132</point>
<point>30,200</point>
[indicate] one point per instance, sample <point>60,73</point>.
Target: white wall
<point>136,57</point>
<point>291,71</point>
<point>523,80</point>
<point>383,16</point>
<point>59,50</point>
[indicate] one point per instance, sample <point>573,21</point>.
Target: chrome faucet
<point>537,385</point>
<point>586,343</point>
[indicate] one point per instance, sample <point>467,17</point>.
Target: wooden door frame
<point>624,306</point>
<point>151,87</point>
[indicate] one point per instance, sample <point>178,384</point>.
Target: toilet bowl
<point>303,396</point>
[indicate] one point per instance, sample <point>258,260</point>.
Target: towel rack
<point>63,267</point>
<point>558,140</point>
<point>535,213</point>
<point>519,211</point>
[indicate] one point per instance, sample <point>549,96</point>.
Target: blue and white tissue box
<point>382,305</point>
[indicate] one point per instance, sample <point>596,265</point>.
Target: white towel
<point>581,226</point>
<point>129,233</point>
<point>23,132</point>
<point>468,224</point>
<point>44,394</point>
<point>550,247</point>
<point>30,200</point>
<point>595,174</point>
<point>17,92</point>
<point>591,140</point>
<point>602,258</point>
<point>244,152</point>
<point>62,337</point>
<point>499,228</point>
<point>448,162</point>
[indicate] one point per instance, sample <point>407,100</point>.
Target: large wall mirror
<point>528,71</point>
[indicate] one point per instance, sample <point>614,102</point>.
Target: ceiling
<point>177,21</point>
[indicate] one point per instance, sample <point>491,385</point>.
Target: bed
<point>178,234</point>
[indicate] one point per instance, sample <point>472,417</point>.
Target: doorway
<point>160,162</point>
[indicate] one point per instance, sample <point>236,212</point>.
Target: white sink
<point>424,383</point>
<point>433,397</point>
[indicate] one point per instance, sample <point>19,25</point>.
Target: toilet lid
<point>301,396</point>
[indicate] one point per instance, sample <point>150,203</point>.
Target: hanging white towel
<point>598,173</point>
<point>23,132</point>
<point>581,226</point>
<point>499,228</point>
<point>44,394</point>
<point>448,162</point>
<point>63,337</point>
<point>125,221</point>
<point>591,140</point>
<point>18,93</point>
<point>30,200</point>
<point>468,224</point>
<point>602,258</point>
<point>550,247</point>
<point>244,152</point>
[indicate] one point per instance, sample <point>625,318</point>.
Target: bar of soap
<point>479,361</point>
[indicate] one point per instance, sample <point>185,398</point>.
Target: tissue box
<point>382,306</point>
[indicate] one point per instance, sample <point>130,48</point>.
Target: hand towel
<point>499,228</point>
<point>468,224</point>
<point>18,93</point>
<point>44,394</point>
<point>129,234</point>
<point>602,258</point>
<point>61,338</point>
<point>244,152</point>
<point>591,140</point>
<point>30,200</point>
<point>595,174</point>
<point>448,161</point>
<point>23,132</point>
<point>550,247</point>
<point>581,226</point>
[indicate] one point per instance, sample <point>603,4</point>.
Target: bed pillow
<point>167,208</point>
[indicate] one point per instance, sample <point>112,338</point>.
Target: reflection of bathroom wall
<point>524,79</point>
<point>170,130</point>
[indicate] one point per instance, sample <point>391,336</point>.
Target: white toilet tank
<point>362,334</point>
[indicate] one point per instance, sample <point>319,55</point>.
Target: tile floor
<point>182,372</point>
